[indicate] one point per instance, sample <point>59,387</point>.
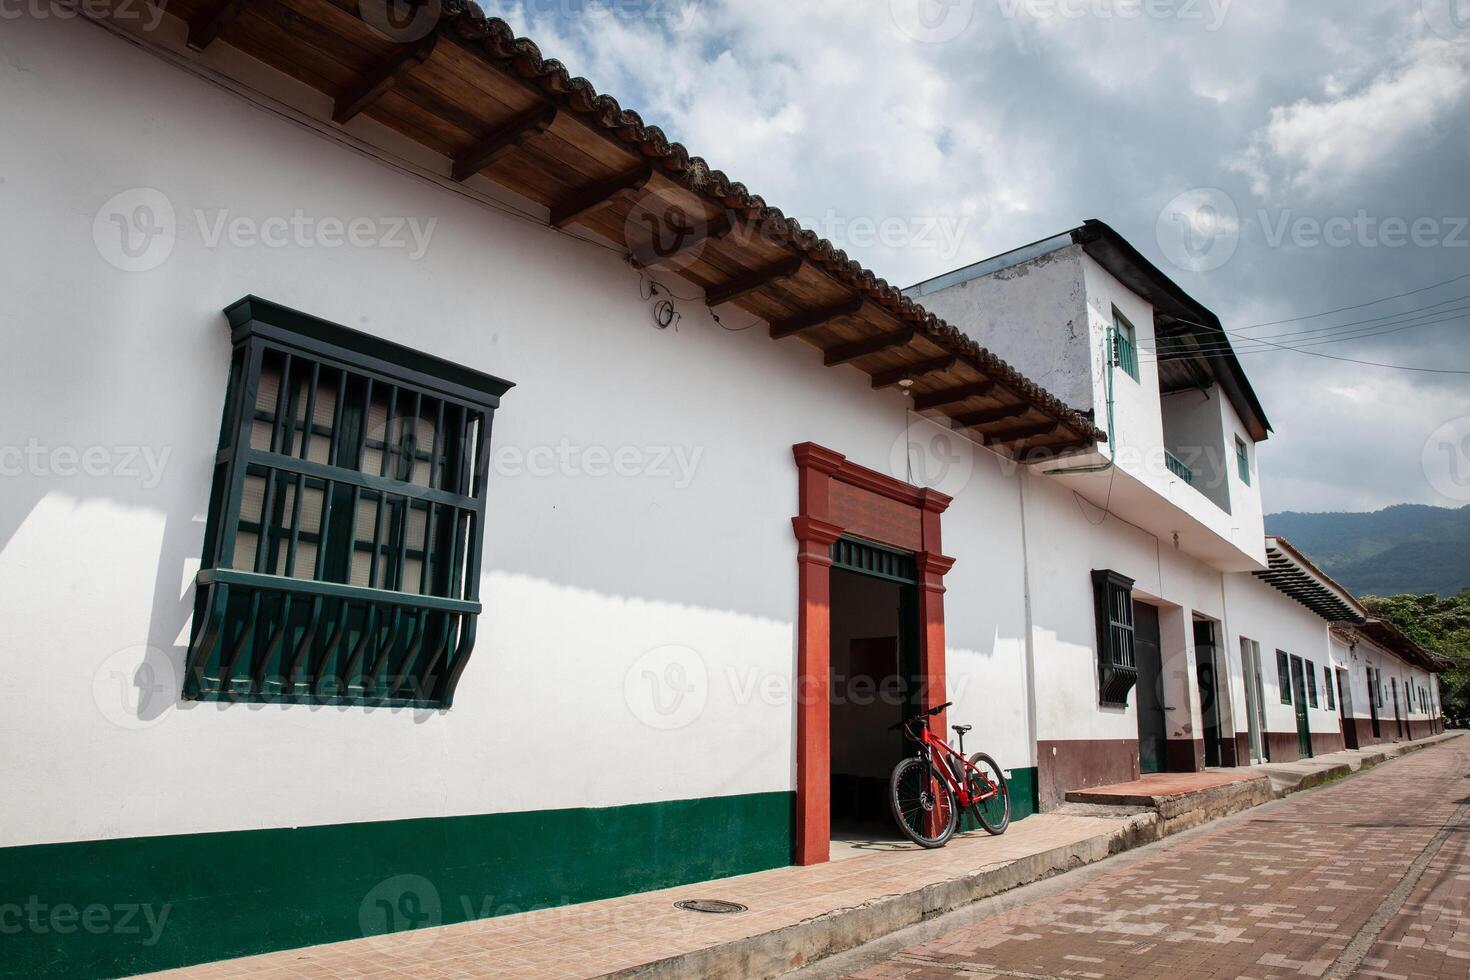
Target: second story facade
<point>1095,322</point>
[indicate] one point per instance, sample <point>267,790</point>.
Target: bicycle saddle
<point>961,729</point>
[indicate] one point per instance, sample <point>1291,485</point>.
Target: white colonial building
<point>430,493</point>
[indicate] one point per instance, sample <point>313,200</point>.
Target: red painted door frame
<point>837,497</point>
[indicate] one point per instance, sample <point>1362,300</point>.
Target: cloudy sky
<point>1279,158</point>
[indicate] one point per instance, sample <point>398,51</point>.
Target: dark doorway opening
<point>1299,699</point>
<point>1149,654</point>
<point>1373,695</point>
<point>874,676</point>
<point>1207,674</point>
<point>1345,709</point>
<point>1398,720</point>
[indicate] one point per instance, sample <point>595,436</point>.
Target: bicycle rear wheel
<point>994,813</point>
<point>923,804</point>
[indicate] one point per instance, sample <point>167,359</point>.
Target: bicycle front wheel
<point>993,813</point>
<point>923,804</point>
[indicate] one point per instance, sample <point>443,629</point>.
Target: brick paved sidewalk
<point>600,937</point>
<point>1282,894</point>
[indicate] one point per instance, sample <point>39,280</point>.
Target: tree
<point>1441,624</point>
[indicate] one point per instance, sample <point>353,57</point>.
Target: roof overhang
<point>500,118</point>
<point>1195,331</point>
<point>1386,636</point>
<point>1293,574</point>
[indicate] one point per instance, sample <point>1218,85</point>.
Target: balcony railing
<point>1178,467</point>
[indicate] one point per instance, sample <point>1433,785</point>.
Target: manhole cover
<point>709,905</point>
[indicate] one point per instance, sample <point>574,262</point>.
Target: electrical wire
<point>1344,309</point>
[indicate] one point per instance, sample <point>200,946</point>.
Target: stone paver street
<point>1368,877</point>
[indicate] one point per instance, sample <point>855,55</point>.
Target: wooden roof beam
<point>371,86</point>
<point>741,285</point>
<point>989,416</point>
<point>713,231</point>
<point>911,372</point>
<point>506,139</point>
<point>212,18</point>
<point>844,353</point>
<point>803,322</point>
<point>948,396</point>
<point>583,202</point>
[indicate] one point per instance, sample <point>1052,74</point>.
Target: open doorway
<point>1148,652</point>
<point>1207,675</point>
<point>874,685</point>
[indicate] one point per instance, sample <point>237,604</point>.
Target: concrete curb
<point>792,947</point>
<point>782,950</point>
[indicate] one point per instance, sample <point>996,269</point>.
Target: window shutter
<point>1117,663</point>
<point>343,545</point>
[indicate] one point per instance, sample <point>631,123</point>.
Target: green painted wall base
<point>105,908</point>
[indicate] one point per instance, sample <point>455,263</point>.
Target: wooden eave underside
<point>471,92</point>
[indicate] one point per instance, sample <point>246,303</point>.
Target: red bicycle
<point>928,790</point>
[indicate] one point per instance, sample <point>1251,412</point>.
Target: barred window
<point>1117,661</point>
<point>343,546</point>
<point>1283,676</point>
<point>1310,673</point>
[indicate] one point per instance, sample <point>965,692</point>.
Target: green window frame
<point>1243,461</point>
<point>1117,660</point>
<point>1327,687</point>
<point>1311,675</point>
<point>1125,344</point>
<point>1283,676</point>
<point>345,530</point>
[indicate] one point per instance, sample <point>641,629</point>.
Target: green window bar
<point>1178,467</point>
<point>1243,462</point>
<point>1125,346</point>
<point>343,546</point>
<point>1116,655</point>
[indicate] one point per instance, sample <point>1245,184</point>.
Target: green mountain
<point>1407,549</point>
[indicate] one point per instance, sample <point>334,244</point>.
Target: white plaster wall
<point>586,579</point>
<point>1034,316</point>
<point>1193,432</point>
<point>1068,537</point>
<point>1278,622</point>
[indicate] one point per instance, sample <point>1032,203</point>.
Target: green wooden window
<point>1327,687</point>
<point>1311,676</point>
<point>342,550</point>
<point>1283,676</point>
<point>1243,461</point>
<point>1117,660</point>
<point>1125,345</point>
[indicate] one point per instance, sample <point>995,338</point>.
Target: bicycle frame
<point>928,744</point>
